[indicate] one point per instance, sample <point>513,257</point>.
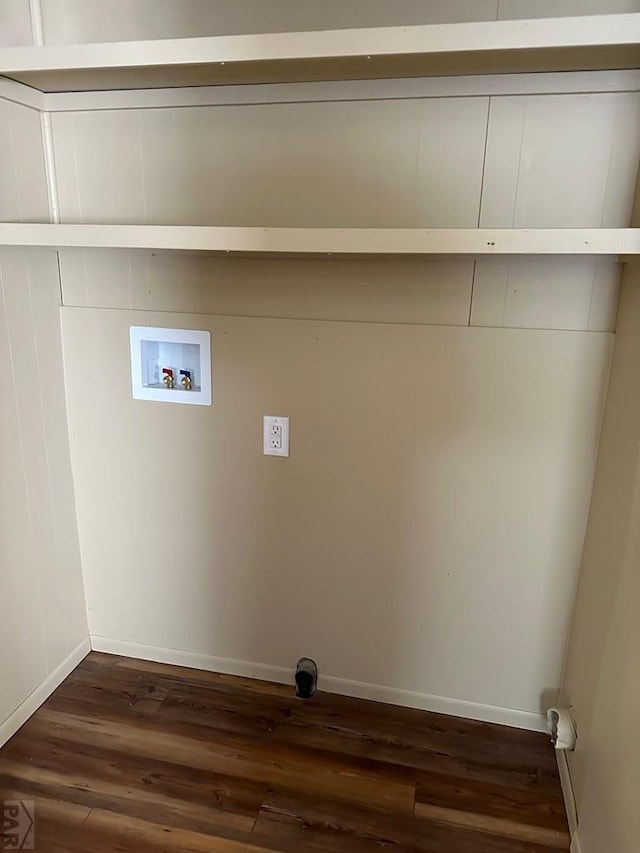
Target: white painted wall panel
<point>385,291</point>
<point>597,679</point>
<point>26,380</point>
<point>42,606</point>
<point>43,616</point>
<point>546,293</point>
<point>15,23</point>
<point>380,163</point>
<point>624,158</point>
<point>553,293</point>
<point>9,197</point>
<point>604,297</point>
<point>23,189</point>
<point>600,677</point>
<point>22,650</point>
<point>561,161</point>
<point>510,9</point>
<point>445,566</point>
<point>68,21</point>
<point>99,166</point>
<point>551,161</point>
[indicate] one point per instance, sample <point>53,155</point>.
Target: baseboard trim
<point>567,790</point>
<point>332,684</point>
<point>33,701</point>
<point>569,799</point>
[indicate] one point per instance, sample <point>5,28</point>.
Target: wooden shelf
<point>329,241</point>
<point>547,44</point>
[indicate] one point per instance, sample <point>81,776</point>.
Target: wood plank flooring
<point>132,756</point>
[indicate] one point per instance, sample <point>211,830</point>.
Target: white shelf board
<point>593,42</point>
<point>328,241</point>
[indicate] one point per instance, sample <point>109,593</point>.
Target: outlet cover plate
<point>275,436</point>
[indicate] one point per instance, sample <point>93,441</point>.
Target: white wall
<point>560,161</point>
<point>43,625</point>
<point>15,23</point>
<point>602,675</point>
<point>23,188</point>
<point>609,816</point>
<point>42,609</point>
<point>493,384</point>
<point>424,535</point>
<point>69,21</point>
<point>554,160</point>
<point>578,294</point>
<point>445,415</point>
<point>377,163</point>
<point>567,160</point>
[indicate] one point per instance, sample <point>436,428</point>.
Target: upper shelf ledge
<point>591,42</point>
<point>328,241</point>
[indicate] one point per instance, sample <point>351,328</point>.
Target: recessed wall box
<point>171,365</point>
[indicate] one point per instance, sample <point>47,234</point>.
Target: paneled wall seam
<point>614,128</point>
<point>142,166</point>
<point>50,166</point>
<point>593,284</point>
<point>484,161</point>
<point>482,176</point>
<point>37,34</point>
<point>14,161</point>
<point>75,166</point>
<point>59,278</point>
<point>517,181</point>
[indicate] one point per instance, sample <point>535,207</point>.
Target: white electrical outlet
<point>275,436</point>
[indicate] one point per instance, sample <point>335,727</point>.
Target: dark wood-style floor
<point>133,756</point>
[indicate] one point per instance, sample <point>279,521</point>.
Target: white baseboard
<point>345,687</point>
<point>569,799</point>
<point>567,790</point>
<point>33,701</point>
